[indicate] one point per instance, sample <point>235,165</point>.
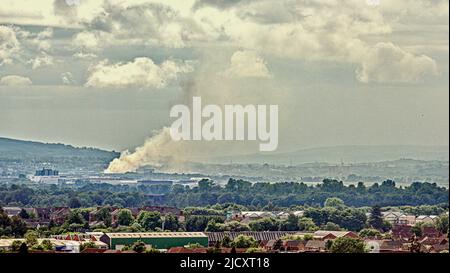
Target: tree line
<point>240,192</point>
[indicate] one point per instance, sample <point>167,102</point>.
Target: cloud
<point>42,40</point>
<point>386,63</point>
<point>329,31</point>
<point>150,24</point>
<point>90,40</point>
<point>67,78</point>
<point>247,64</point>
<point>15,80</point>
<point>9,45</point>
<point>140,73</point>
<point>220,4</point>
<point>40,61</point>
<point>84,56</point>
<point>325,31</point>
<point>66,8</point>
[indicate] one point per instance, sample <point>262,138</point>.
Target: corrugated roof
<point>257,235</point>
<point>156,235</point>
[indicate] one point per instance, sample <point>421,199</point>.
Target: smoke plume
<point>208,82</point>
<point>159,151</point>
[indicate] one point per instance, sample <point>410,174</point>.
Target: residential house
<point>393,246</point>
<point>283,215</point>
<point>250,216</point>
<point>391,216</point>
<point>402,232</point>
<point>315,246</point>
<point>299,213</point>
<point>399,218</point>
<point>12,211</point>
<point>331,235</point>
<point>272,245</point>
<point>409,220</point>
<point>59,215</point>
<point>294,245</point>
<point>431,232</point>
<point>428,219</point>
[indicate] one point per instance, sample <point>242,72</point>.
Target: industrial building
<point>158,240</point>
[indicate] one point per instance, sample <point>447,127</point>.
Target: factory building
<point>157,240</point>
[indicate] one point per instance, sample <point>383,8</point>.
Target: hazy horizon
<point>106,73</point>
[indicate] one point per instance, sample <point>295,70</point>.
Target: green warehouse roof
<point>159,240</point>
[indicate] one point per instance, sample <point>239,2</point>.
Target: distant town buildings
<point>46,176</point>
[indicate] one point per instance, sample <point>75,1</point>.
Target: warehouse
<point>158,240</point>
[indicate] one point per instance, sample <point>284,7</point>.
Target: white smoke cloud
<point>158,151</point>
<point>208,82</point>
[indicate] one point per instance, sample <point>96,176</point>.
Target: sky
<point>106,73</point>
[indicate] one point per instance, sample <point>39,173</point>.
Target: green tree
<point>31,238</point>
<point>334,202</point>
<point>236,226</point>
<point>104,214</point>
<point>171,222</point>
<point>205,184</point>
<point>214,227</point>
<point>24,214</point>
<point>226,241</point>
<point>330,226</point>
<point>307,224</point>
<point>386,226</point>
<point>18,226</point>
<point>47,245</point>
<point>369,233</point>
<point>254,250</point>
<point>194,246</point>
<point>152,250</point>
<point>23,249</point>
<point>74,203</point>
<point>442,224</point>
<point>376,218</point>
<point>328,245</point>
<point>139,247</point>
<point>75,217</point>
<point>348,245</point>
<point>291,223</point>
<point>150,220</point>
<point>243,241</point>
<point>86,245</point>
<point>265,224</point>
<point>125,217</point>
<point>5,221</point>
<point>15,246</point>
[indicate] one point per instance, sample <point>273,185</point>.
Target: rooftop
<point>156,235</point>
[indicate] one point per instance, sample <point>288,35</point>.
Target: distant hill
<point>347,154</point>
<point>11,148</point>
